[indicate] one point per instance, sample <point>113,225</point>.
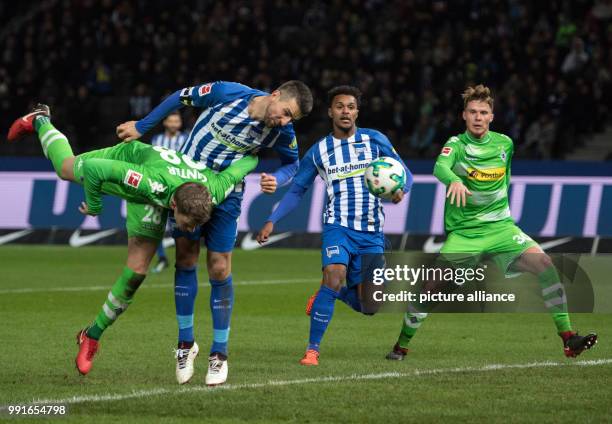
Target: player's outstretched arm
<point>289,202</point>
<point>301,183</point>
<point>131,130</point>
<point>204,96</point>
<point>456,191</point>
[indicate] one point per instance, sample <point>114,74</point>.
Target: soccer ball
<point>384,176</point>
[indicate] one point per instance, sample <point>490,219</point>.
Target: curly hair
<point>478,93</point>
<point>348,90</point>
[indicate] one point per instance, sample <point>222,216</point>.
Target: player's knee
<point>544,262</point>
<point>218,267</point>
<point>333,276</point>
<point>67,172</point>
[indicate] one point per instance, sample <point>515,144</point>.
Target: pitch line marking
<point>330,379</point>
<point>155,286</point>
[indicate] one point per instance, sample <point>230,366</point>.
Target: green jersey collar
<point>473,139</point>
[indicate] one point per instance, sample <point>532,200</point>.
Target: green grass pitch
<point>48,293</point>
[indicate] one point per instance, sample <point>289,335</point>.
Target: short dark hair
<point>348,90</point>
<point>300,92</point>
<point>194,200</point>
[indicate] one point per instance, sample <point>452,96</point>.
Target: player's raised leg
<point>119,298</point>
<point>535,261</point>
<point>54,144</point>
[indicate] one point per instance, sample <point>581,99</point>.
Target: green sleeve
<point>446,161</point>
<point>221,184</point>
<point>97,171</point>
<point>508,167</point>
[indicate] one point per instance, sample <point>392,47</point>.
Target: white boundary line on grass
<point>155,286</point>
<point>330,379</point>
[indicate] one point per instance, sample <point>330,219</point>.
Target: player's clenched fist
<point>84,209</point>
<point>458,194</point>
<point>265,232</point>
<point>268,183</point>
<point>127,131</point>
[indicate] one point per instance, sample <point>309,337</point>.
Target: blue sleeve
<point>287,148</point>
<point>301,182</point>
<point>289,202</point>
<point>204,96</point>
<point>386,148</point>
<point>170,104</point>
<point>211,94</point>
<point>286,172</point>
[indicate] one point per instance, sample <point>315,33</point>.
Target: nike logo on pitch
<point>7,238</point>
<point>77,240</point>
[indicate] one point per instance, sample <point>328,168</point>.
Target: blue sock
<point>161,252</point>
<point>221,302</point>
<point>350,297</point>
<point>320,316</point>
<point>185,292</point>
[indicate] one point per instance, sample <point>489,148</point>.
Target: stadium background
<point>99,63</point>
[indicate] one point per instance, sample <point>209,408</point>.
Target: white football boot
<point>184,363</point>
<point>217,369</point>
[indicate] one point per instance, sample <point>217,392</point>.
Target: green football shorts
<point>503,242</point>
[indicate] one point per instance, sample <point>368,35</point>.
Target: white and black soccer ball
<point>384,176</point>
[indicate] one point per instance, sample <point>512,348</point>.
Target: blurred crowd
<point>101,62</point>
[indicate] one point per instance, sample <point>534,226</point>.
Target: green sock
<point>553,294</point>
<point>54,144</point>
<point>412,321</point>
<point>117,301</point>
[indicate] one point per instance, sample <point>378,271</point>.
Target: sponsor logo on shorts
<point>132,178</point>
<point>493,174</point>
<point>332,250</point>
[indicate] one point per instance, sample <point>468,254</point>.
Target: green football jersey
<point>483,166</point>
<point>142,173</point>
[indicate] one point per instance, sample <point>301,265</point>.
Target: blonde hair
<point>479,93</point>
<point>195,201</point>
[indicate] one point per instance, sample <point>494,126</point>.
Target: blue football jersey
<point>341,164</point>
<point>224,132</point>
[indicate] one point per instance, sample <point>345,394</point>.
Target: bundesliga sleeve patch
<point>205,89</point>
<point>132,178</point>
<point>446,151</point>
